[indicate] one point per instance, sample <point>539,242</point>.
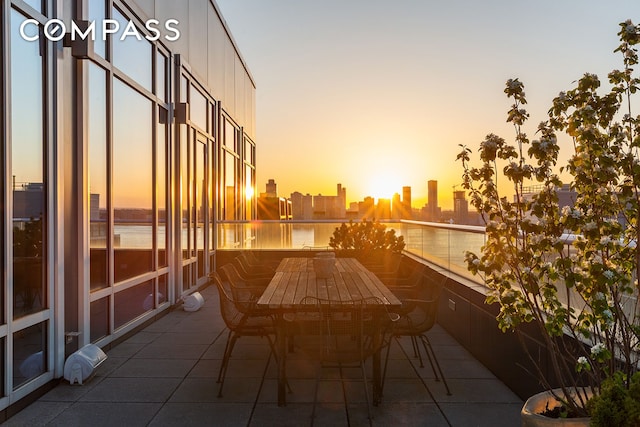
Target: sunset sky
<point>377,94</point>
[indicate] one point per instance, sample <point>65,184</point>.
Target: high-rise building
<point>407,210</point>
<point>367,208</point>
<point>396,207</point>
<point>341,203</point>
<point>271,188</point>
<point>125,152</point>
<point>433,210</point>
<point>302,206</point>
<point>320,206</point>
<point>460,207</point>
<point>383,209</point>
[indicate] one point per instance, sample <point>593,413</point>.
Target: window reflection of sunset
<point>248,192</point>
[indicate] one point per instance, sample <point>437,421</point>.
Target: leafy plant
<point>617,405</point>
<point>365,237</point>
<point>571,271</point>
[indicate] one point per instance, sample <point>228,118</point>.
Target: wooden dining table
<point>295,279</point>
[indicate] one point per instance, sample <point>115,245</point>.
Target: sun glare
<point>383,187</point>
<point>248,192</point>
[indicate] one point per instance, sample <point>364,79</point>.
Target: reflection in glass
<point>161,70</point>
<point>131,55</point>
<point>229,186</point>
<point>132,183</point>
<point>99,319</point>
<point>98,215</point>
<point>184,177</point>
<point>97,14</point>
<point>210,196</point>
<point>36,4</point>
<point>163,289</point>
<point>198,109</point>
<point>200,200</point>
<point>184,85</point>
<point>161,190</point>
<point>27,169</point>
<point>132,302</point>
<point>248,192</point>
<point>229,135</point>
<point>29,350</point>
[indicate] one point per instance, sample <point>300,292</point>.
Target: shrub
<point>365,237</point>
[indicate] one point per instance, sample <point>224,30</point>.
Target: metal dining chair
<point>242,320</point>
<point>258,265</point>
<point>251,273</point>
<point>243,288</point>
<point>417,317</point>
<point>341,334</point>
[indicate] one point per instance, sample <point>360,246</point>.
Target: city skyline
<point>399,88</point>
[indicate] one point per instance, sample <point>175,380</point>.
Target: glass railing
<point>441,244</point>
<point>277,235</point>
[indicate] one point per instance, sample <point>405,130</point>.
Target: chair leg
<point>225,362</point>
<point>315,393</point>
<point>366,389</point>
<point>386,362</point>
<point>416,350</point>
<point>224,355</point>
<point>429,349</point>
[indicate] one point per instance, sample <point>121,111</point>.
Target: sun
<point>383,187</point>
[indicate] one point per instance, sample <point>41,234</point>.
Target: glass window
<point>211,182</point>
<point>229,135</point>
<point>230,186</point>
<point>131,55</point>
<point>97,14</point>
<point>36,4</point>
<point>248,192</point>
<point>132,302</point>
<point>99,319</point>
<point>163,289</point>
<point>28,173</point>
<point>198,109</point>
<point>200,200</point>
<point>98,215</point>
<point>184,85</point>
<point>132,183</point>
<point>161,76</point>
<point>161,189</point>
<point>29,353</point>
<point>184,176</point>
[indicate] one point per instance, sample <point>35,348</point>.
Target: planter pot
<point>323,265</point>
<point>538,403</point>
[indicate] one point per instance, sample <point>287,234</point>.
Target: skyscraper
<point>407,212</point>
<point>433,213</point>
<point>460,207</point>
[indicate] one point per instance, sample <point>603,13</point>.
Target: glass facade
<point>115,171</point>
<point>28,172</point>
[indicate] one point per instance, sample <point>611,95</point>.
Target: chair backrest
<point>239,316</point>
<point>416,274</point>
<point>250,272</point>
<point>230,314</point>
<point>243,294</point>
<point>418,316</point>
<point>250,258</point>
